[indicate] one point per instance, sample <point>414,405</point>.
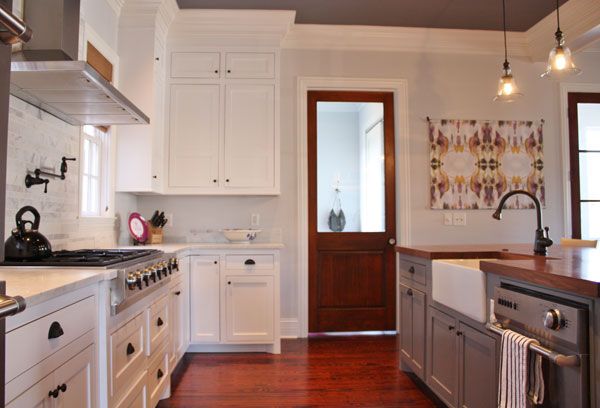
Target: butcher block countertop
<point>571,269</point>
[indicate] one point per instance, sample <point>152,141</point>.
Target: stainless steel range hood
<point>46,74</point>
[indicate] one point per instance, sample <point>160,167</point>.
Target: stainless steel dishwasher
<point>562,328</point>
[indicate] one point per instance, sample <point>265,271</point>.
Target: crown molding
<point>226,27</point>
<point>116,5</point>
<point>404,39</point>
<point>148,13</point>
<point>579,21</point>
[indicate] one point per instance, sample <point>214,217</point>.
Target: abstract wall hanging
<point>474,163</point>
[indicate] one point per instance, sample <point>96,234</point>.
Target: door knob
<point>392,241</point>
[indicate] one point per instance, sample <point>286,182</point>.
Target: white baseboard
<point>289,328</point>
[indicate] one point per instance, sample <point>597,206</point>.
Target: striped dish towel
<point>520,372</point>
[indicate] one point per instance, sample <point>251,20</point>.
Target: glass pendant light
<point>507,88</point>
<point>560,62</point>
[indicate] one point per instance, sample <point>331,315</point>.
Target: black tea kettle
<point>27,244</point>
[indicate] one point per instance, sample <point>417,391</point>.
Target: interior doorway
<point>584,158</point>
<point>351,211</point>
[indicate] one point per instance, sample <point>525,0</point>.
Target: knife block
<point>155,235</point>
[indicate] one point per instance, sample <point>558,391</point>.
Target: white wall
<point>440,85</point>
<point>338,160</point>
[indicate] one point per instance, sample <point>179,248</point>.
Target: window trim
<point>105,175</point>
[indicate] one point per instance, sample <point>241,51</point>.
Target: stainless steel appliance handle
<point>11,305</point>
<point>557,358</point>
<point>17,30</point>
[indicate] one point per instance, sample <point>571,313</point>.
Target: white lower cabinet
<point>136,397</point>
<point>234,298</point>
<point>248,309</point>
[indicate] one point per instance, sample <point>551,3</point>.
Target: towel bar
<point>557,358</point>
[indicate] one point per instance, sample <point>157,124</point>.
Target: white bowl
<point>240,235</point>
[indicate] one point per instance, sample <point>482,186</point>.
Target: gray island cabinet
<point>454,355</point>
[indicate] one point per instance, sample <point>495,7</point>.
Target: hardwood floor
<point>320,371</point>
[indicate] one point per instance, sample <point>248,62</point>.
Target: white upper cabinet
<point>249,65</point>
<point>223,130</point>
<point>194,136</point>
<point>195,64</point>
<point>249,135</point>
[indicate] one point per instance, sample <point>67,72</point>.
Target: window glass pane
<point>86,156</point>
<point>350,167</point>
<point>588,116</point>
<point>95,160</point>
<point>85,202</point>
<point>94,195</point>
<point>589,169</point>
<point>590,220</point>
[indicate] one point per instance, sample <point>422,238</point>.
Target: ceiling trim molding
<point>579,20</point>
<point>116,5</point>
<point>404,39</point>
<point>148,13</point>
<point>264,27</point>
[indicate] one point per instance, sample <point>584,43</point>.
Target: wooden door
<point>77,381</point>
<point>443,356</point>
<point>478,372</point>
<point>194,136</point>
<point>584,155</point>
<point>204,299</point>
<point>352,266</point>
<point>249,136</point>
<point>249,309</point>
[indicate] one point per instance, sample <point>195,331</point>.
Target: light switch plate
<point>169,217</point>
<point>460,218</point>
<point>447,218</point>
<point>255,220</point>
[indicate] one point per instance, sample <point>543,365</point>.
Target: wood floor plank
<point>321,371</point>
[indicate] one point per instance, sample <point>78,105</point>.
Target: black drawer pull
<point>450,328</point>
<point>250,262</point>
<point>130,349</point>
<point>178,293</point>
<point>459,333</point>
<point>409,292</point>
<point>159,322</point>
<point>63,387</point>
<point>159,374</point>
<point>411,269</point>
<point>55,331</point>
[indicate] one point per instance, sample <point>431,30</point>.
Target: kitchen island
<point>457,356</point>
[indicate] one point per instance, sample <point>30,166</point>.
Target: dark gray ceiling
<point>466,14</point>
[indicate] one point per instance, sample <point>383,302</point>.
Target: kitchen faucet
<point>542,239</point>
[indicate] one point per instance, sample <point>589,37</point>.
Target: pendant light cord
<point>504,27</point>
<point>557,16</point>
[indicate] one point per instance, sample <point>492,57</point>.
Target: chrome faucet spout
<point>542,237</point>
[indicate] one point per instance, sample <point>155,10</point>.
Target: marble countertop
<point>39,284</point>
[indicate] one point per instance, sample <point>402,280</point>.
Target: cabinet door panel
<point>204,299</point>
<point>250,65</point>
<point>194,135</point>
<point>443,373</point>
<point>177,321</point>
<point>249,309</point>
<point>418,332</point>
<point>77,375</point>
<point>406,323</point>
<point>195,64</point>
<point>249,135</point>
<point>478,374</point>
<point>36,396</point>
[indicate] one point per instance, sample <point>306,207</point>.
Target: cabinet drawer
<point>413,271</point>
<point>250,262</point>
<point>250,65</point>
<point>136,395</point>
<point>158,323</point>
<point>31,343</point>
<point>127,356</point>
<point>195,65</point>
<point>158,375</point>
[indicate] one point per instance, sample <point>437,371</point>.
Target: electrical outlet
<point>169,218</point>
<point>460,218</point>
<point>447,218</point>
<point>255,220</point>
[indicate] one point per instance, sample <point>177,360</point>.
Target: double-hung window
<point>94,171</point>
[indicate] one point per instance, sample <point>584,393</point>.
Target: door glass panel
<point>589,169</point>
<point>590,220</point>
<point>350,167</point>
<point>588,117</point>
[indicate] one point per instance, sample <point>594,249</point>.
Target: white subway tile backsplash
<point>37,139</point>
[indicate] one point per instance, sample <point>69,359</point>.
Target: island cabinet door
<point>443,353</point>
<point>412,329</point>
<point>478,372</point>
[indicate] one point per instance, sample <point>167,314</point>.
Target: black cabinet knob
<point>159,374</point>
<point>451,328</point>
<point>229,282</point>
<point>459,333</point>
<point>159,322</point>
<point>250,262</point>
<point>411,269</point>
<point>409,292</point>
<point>227,180</point>
<point>154,177</point>
<point>63,387</point>
<point>229,71</point>
<point>55,331</point>
<point>216,71</point>
<point>130,349</point>
<point>216,262</point>
<point>53,393</point>
<point>214,180</point>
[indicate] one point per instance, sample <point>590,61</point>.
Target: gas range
<point>139,271</point>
